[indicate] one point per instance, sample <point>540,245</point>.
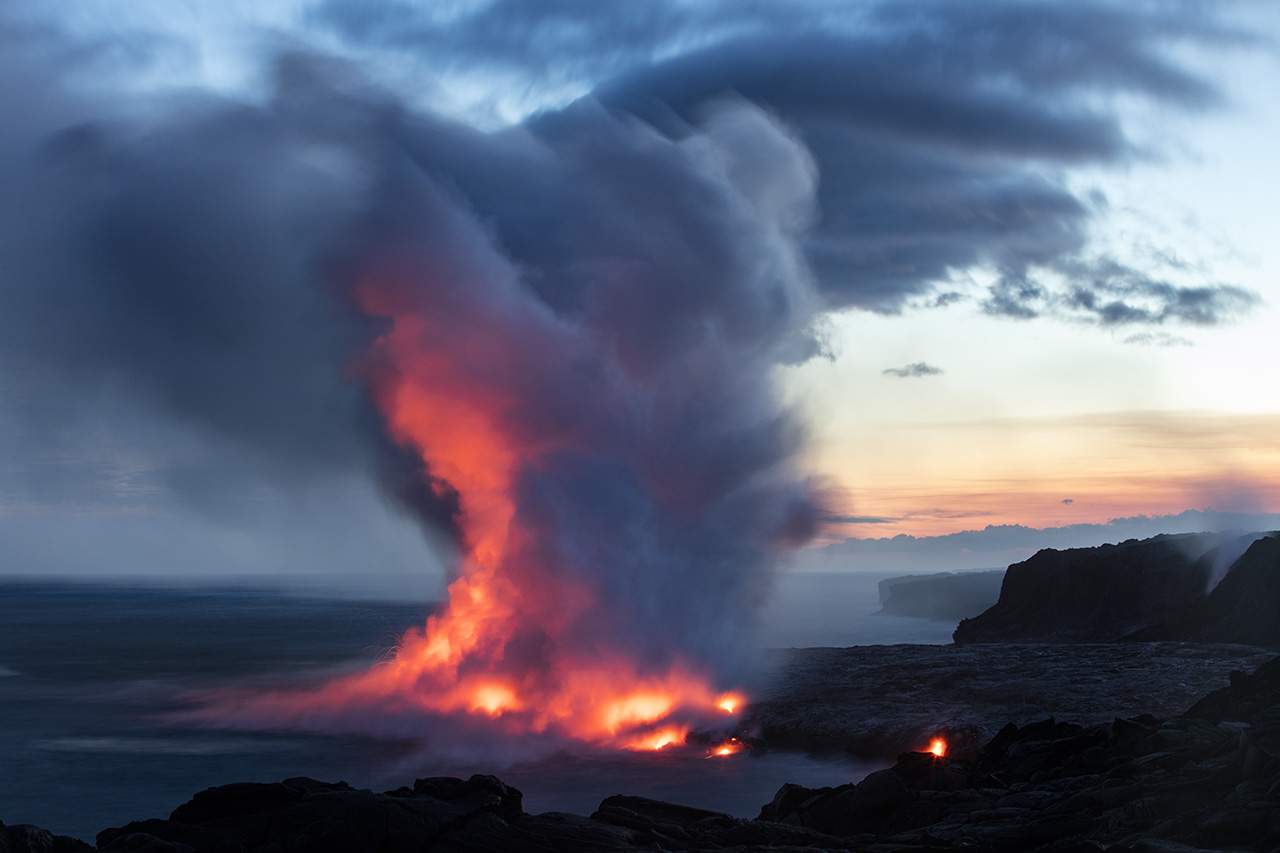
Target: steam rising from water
<point>572,328</point>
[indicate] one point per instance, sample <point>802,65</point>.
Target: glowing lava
<point>732,746</point>
<point>526,641</point>
<point>729,703</point>
<point>938,747</point>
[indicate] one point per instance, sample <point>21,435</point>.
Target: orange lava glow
<point>938,747</point>
<point>729,703</point>
<point>730,747</point>
<point>664,737</point>
<point>510,646</point>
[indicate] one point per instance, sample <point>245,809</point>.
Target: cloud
<point>1068,500</point>
<point>1158,339</point>
<point>918,368</point>
<point>857,519</point>
<point>236,304</point>
<point>942,132</point>
<point>1104,292</point>
<point>175,319</point>
<point>1000,545</point>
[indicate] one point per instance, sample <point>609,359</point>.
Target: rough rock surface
<point>878,701</point>
<point>1240,609</point>
<point>1205,780</point>
<point>25,838</point>
<point>1094,594</point>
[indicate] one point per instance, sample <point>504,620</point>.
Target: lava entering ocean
<point>601,419</point>
<point>506,646</point>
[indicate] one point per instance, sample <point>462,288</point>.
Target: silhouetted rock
<point>1242,608</point>
<point>943,597</point>
<point>305,815</point>
<point>1105,593</point>
<point>25,838</point>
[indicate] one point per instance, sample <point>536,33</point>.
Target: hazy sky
<point>1041,236</point>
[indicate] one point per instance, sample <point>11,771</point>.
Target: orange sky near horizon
<point>929,479</point>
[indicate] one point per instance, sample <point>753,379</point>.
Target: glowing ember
<point>938,747</point>
<point>730,747</point>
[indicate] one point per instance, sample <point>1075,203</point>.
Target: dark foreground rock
<point>25,838</point>
<point>1207,779</point>
<point>876,702</point>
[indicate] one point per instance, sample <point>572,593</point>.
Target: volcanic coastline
<point>1051,744</point>
<point>1207,778</point>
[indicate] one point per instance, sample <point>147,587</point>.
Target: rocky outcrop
<point>1105,593</point>
<point>943,597</point>
<point>1242,608</point>
<point>25,838</point>
<point>875,702</point>
<point>1208,779</point>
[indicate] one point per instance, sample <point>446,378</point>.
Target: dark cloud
<point>1158,339</point>
<point>187,286</point>
<point>918,368</point>
<point>175,305</point>
<point>1105,292</point>
<point>940,131</point>
<point>1068,500</point>
<point>173,269</point>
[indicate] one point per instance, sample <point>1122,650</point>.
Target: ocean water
<point>89,674</point>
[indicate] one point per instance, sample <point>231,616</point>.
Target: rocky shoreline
<point>1207,779</point>
<point>875,702</point>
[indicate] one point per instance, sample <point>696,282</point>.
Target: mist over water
<point>839,609</point>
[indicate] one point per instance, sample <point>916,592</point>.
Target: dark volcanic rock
<point>1188,783</point>
<point>303,814</point>
<point>879,701</point>
<point>943,597</point>
<point>1242,608</point>
<point>25,838</point>
<point>1102,594</point>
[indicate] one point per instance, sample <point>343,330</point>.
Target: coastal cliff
<point>1242,608</point>
<point>1115,592</point>
<point>943,596</point>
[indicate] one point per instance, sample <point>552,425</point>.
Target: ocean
<point>90,674</point>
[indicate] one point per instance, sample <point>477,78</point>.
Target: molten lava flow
<point>519,642</point>
<point>938,747</point>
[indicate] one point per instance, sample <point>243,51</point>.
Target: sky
<point>1024,257</point>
